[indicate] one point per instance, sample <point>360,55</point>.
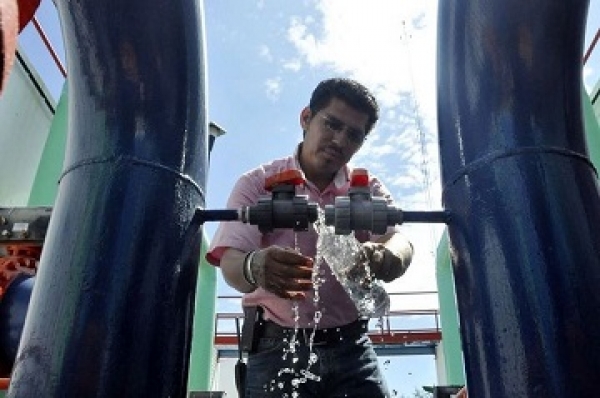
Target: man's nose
<point>342,136</point>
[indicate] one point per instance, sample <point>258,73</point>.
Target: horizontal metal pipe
<point>218,215</point>
<point>426,216</point>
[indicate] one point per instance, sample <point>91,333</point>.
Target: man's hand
<point>284,272</point>
<point>387,260</point>
<point>382,262</point>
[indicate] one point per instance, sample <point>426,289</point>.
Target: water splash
<point>342,252</point>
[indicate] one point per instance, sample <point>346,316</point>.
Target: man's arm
<point>232,267</point>
<point>284,272</point>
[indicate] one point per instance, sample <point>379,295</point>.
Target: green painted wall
<point>45,185</point>
<point>592,130</point>
<point>453,357</point>
<point>202,357</point>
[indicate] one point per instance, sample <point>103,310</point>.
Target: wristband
<point>248,276</point>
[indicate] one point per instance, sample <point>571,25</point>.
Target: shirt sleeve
<point>236,234</point>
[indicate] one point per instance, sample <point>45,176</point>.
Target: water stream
<point>340,252</point>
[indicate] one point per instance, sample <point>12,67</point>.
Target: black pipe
<point>111,311</point>
<point>523,196</point>
<point>441,216</point>
<point>218,215</point>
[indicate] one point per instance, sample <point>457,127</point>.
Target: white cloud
<point>265,53</point>
<point>273,88</point>
<point>292,64</point>
<point>386,44</point>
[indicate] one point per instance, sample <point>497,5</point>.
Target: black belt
<point>321,336</point>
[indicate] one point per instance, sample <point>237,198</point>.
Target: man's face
<point>332,137</point>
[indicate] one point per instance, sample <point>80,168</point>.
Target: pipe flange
<point>261,214</point>
<point>343,215</point>
<point>300,213</point>
<point>379,216</point>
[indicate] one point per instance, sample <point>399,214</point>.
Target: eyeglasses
<point>337,126</point>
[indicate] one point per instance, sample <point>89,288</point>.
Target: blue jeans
<point>347,368</point>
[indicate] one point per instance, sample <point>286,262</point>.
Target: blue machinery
<point>522,195</point>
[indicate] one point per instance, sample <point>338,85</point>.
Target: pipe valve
<point>283,208</point>
<point>360,211</point>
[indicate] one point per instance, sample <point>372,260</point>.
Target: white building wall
<point>225,377</point>
<point>440,364</point>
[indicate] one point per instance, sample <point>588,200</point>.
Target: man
<point>274,270</point>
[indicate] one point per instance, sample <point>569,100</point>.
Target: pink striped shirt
<point>334,304</point>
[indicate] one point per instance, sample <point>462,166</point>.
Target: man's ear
<point>305,116</point>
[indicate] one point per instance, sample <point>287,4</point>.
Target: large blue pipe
<point>111,311</point>
<point>523,196</point>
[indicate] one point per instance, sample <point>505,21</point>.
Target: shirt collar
<point>342,177</point>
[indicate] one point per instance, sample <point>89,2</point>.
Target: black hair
<point>351,92</point>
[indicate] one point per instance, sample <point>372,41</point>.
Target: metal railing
<point>396,327</point>
<point>49,47</point>
<point>590,49</point>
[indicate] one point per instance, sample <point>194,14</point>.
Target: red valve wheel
<point>359,178</point>
<point>293,177</point>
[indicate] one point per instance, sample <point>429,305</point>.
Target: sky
<point>264,57</point>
